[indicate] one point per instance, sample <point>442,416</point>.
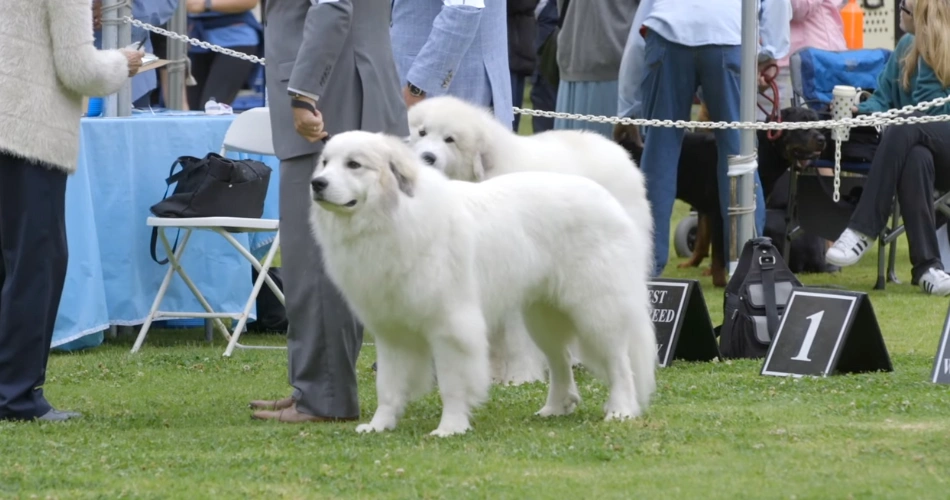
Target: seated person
<point>230,24</point>
<point>911,160</point>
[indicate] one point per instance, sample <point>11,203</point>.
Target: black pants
<point>32,272</point>
<point>219,76</point>
<point>911,161</point>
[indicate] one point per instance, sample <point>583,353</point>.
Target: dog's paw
<point>367,428</point>
<point>621,412</point>
<point>446,431</point>
<point>565,407</point>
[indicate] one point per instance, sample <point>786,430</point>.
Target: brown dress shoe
<point>292,416</point>
<point>279,404</point>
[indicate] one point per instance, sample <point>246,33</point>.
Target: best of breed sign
<point>681,320</point>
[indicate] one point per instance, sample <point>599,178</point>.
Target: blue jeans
<point>673,74</point>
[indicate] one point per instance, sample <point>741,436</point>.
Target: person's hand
<point>97,15</point>
<point>854,110</point>
<point>134,57</point>
<point>410,99</point>
<point>309,124</point>
<point>628,134</point>
<point>195,6</point>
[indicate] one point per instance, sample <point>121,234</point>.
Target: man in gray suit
<point>328,61</point>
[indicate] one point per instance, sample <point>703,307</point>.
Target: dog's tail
<point>643,356</point>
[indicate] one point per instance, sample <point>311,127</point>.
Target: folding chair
<point>250,133</point>
<point>811,206</point>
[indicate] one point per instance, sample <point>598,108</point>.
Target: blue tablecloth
<point>111,278</point>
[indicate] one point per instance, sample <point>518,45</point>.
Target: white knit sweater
<point>47,63</point>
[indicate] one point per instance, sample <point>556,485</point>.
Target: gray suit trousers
<point>324,337</point>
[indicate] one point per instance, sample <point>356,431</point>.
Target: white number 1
<point>813,321</point>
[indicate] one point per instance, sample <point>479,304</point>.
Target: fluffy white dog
<point>431,265</point>
<point>467,143</point>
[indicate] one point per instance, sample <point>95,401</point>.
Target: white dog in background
<point>431,265</point>
<point>467,143</point>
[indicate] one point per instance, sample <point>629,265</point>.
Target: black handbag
<point>755,300</point>
<point>213,186</point>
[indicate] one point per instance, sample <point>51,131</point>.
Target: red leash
<point>769,73</point>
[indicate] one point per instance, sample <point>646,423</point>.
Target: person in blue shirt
<point>154,12</point>
<point>911,160</point>
<point>675,47</point>
<point>230,24</point>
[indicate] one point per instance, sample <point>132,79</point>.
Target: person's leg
<point>323,337</point>
<point>719,67</point>
<point>917,179</point>
<point>200,69</point>
<point>887,169</point>
<point>543,98</point>
<point>668,88</point>
<point>517,96</point>
<point>227,76</point>
<point>32,274</point>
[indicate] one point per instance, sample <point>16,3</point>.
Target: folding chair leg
<point>262,277</point>
<point>162,289</point>
<point>790,213</point>
<point>888,236</point>
<point>892,263</point>
<point>881,252</point>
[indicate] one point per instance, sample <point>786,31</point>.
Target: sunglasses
<point>904,8</point>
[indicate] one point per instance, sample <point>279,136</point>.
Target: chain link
<point>193,41</point>
<point>877,119</point>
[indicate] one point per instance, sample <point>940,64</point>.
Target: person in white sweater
<point>49,64</point>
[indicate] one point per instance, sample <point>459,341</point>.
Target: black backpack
<point>213,186</point>
<point>755,299</point>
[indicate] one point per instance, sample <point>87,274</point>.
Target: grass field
<point>172,422</point>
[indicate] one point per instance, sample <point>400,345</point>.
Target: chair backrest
<point>250,133</point>
<point>815,73</point>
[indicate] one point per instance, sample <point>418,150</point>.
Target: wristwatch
<point>301,101</point>
<point>415,91</point>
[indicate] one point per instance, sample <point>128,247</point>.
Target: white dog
<point>431,265</point>
<point>467,143</point>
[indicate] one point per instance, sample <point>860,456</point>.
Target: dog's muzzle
<point>319,185</point>
<point>428,158</point>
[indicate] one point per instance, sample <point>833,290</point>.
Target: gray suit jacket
<point>340,51</point>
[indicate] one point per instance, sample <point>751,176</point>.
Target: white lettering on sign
<point>657,296</point>
<point>813,321</point>
<point>663,315</point>
<point>946,366</point>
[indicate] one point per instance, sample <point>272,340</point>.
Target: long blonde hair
<point>931,41</point>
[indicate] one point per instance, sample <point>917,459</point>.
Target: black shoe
<point>58,416</point>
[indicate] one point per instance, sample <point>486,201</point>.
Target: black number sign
<point>941,371</point>
<point>824,332</point>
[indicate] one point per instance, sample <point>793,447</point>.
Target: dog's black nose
<point>319,184</point>
<point>429,158</point>
<point>820,141</point>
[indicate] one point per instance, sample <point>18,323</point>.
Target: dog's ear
<point>405,185</point>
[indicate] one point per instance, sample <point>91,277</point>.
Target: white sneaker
<point>935,282</point>
<point>849,248</point>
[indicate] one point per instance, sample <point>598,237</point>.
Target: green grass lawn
<point>172,422</point>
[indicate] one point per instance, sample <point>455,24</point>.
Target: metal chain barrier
<point>877,119</point>
<point>193,41</point>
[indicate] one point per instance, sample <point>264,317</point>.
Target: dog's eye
<point>422,133</point>
<point>449,140</point>
<point>352,164</point>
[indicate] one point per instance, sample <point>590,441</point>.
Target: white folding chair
<point>250,133</point>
